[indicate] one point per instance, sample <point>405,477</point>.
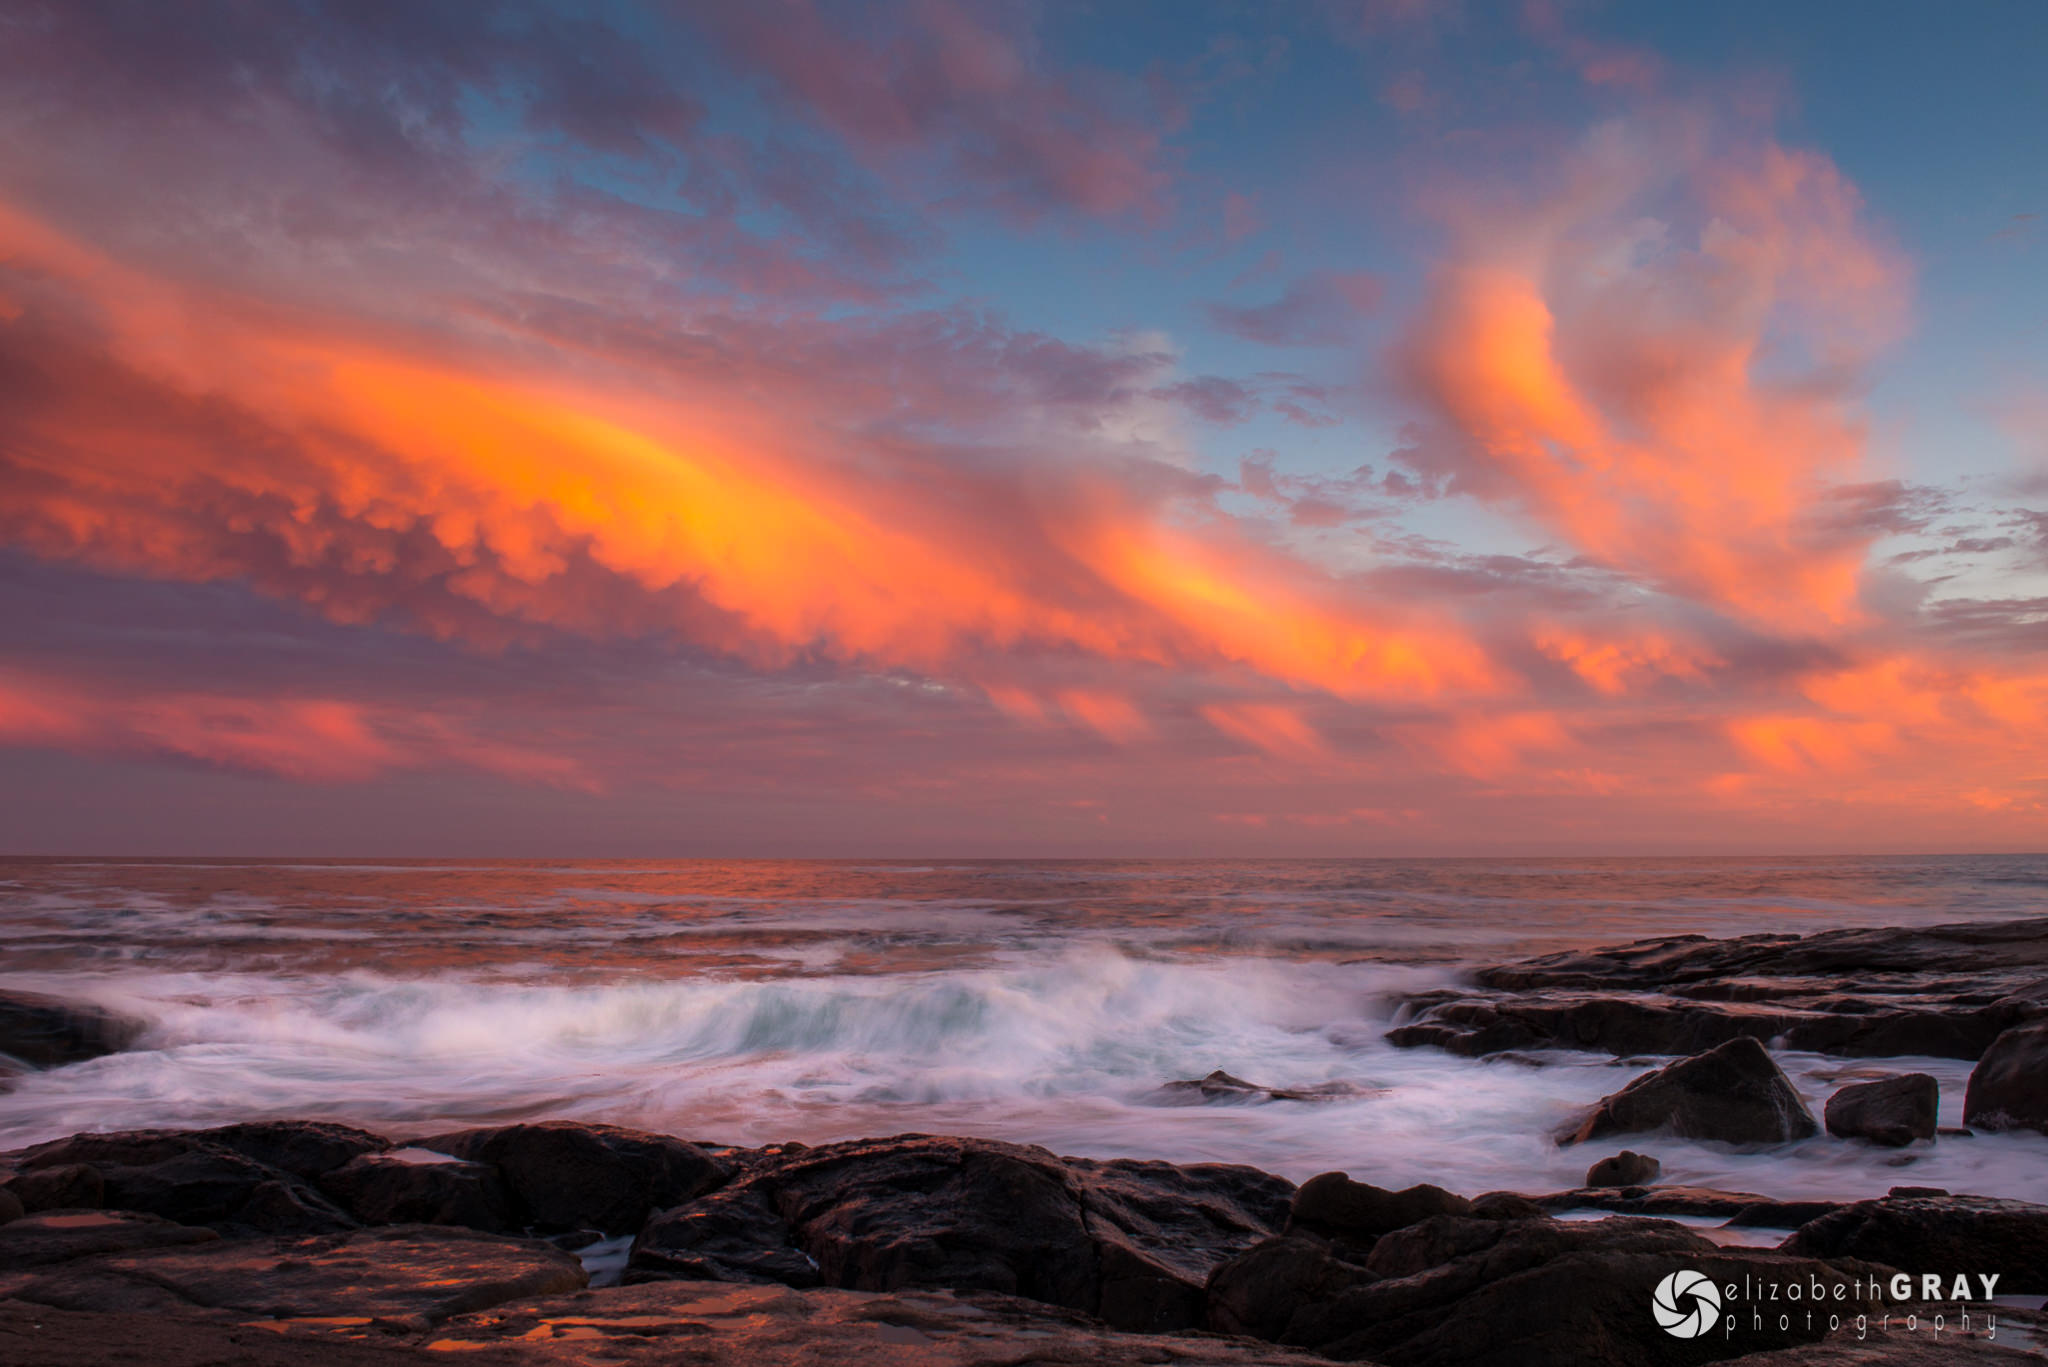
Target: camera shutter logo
<point>1686,1304</point>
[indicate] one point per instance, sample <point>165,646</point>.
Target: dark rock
<point>1948,1234</point>
<point>1781,1214</point>
<point>708,1325</point>
<point>60,1186</point>
<point>1358,1213</point>
<point>1507,1205</point>
<point>58,1237</point>
<point>304,1148</point>
<point>381,1190</point>
<point>734,1235</point>
<point>1259,1292</point>
<point>1434,1242</point>
<point>1525,1293</point>
<point>1625,1169</point>
<point>11,1208</point>
<point>1734,1093</point>
<point>1129,1241</point>
<point>410,1274</point>
<point>1654,1200</point>
<point>1852,993</point>
<point>2009,1086</point>
<point>49,1031</point>
<point>1892,1111</point>
<point>565,1175</point>
<point>1220,1086</point>
<point>193,1178</point>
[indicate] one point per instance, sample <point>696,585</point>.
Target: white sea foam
<point>1064,1049</point>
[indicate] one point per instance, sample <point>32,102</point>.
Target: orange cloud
<point>1666,391</point>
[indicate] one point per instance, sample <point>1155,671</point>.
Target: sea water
<point>1042,1002</point>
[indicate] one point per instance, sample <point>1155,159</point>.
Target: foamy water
<point>1041,1003</point>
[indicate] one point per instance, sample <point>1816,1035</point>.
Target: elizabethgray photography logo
<point>1686,1304</point>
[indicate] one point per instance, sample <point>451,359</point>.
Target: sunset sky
<point>1350,426</point>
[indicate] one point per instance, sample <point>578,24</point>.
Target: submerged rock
<point>1735,1093</point>
<point>1925,1230</point>
<point>1220,1086</point>
<point>1892,1111</point>
<point>2009,1086</point>
<point>565,1175</point>
<point>1625,1169</point>
<point>50,1031</point>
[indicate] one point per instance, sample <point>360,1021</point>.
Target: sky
<point>1373,427</point>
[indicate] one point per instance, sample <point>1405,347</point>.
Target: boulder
<point>408,1274</point>
<point>1891,1111</point>
<point>1625,1169</point>
<point>60,1186</point>
<point>50,1031</point>
<point>1516,1293</point>
<point>1131,1242</point>
<point>2009,1086</point>
<point>11,1208</point>
<point>565,1175</point>
<point>1922,1230</point>
<point>1734,1093</point>
<point>1259,1292</point>
<point>186,1177</point>
<point>381,1189</point>
<point>1332,1206</point>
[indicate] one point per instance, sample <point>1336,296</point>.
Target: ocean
<point>1042,1002</point>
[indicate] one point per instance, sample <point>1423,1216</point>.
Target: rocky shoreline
<point>304,1241</point>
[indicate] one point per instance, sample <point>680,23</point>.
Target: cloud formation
<point>611,384</point>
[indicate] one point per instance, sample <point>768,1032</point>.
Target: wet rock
<point>2009,1086</point>
<point>1781,1214</point>
<point>1132,1242</point>
<point>60,1186</point>
<point>1625,1169</point>
<point>1220,1086</point>
<point>1434,1242</point>
<point>1507,1205</point>
<point>58,1237</point>
<point>1891,1111</point>
<point>1358,1213</point>
<point>381,1190</point>
<point>1259,1292</point>
<point>1524,1293</point>
<point>1674,1200</point>
<point>711,1325</point>
<point>565,1175</point>
<point>304,1148</point>
<point>247,1178</point>
<point>1943,991</point>
<point>409,1274</point>
<point>1937,1232</point>
<point>50,1031</point>
<point>1734,1093</point>
<point>734,1235</point>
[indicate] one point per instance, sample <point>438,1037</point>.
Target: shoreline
<point>246,1224</point>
